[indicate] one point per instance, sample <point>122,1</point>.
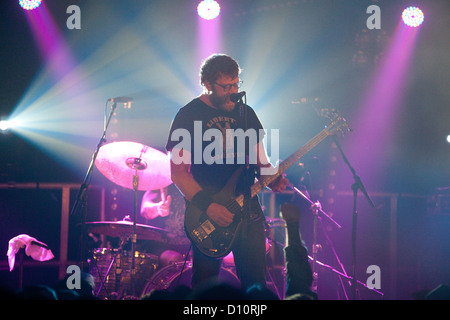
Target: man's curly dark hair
<point>216,65</point>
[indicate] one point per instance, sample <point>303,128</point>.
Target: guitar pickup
<point>204,230</point>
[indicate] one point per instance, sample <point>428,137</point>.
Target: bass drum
<point>174,275</point>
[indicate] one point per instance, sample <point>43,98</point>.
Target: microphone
<point>125,100</point>
<point>235,97</point>
<point>121,100</point>
<point>305,100</point>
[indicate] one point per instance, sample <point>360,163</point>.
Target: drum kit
<point>120,273</point>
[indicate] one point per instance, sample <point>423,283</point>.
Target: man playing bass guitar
<point>208,173</point>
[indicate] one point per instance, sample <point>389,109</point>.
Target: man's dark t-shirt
<point>212,174</point>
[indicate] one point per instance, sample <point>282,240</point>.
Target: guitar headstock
<point>338,123</point>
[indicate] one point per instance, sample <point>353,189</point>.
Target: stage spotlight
<point>10,124</point>
<point>208,9</point>
<point>448,138</point>
<point>5,125</point>
<point>30,4</point>
<point>412,16</point>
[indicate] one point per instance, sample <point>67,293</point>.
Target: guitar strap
<point>247,186</point>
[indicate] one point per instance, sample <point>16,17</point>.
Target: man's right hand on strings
<point>219,214</point>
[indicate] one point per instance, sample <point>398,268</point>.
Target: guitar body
<point>211,239</point>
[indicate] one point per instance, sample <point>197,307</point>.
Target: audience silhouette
<point>299,279</point>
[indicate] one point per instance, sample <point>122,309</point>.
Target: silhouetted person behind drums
<point>164,209</point>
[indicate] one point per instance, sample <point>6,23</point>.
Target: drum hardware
<point>124,230</point>
<point>121,229</point>
<point>134,166</point>
<point>112,272</point>
<point>116,256</point>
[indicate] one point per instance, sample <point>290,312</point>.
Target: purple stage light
<point>412,16</point>
<point>208,9</point>
<point>30,4</point>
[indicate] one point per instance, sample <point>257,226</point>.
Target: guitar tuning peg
<point>344,129</point>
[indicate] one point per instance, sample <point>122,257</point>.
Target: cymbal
<point>125,228</point>
<point>120,161</point>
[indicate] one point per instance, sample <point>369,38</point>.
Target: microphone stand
<point>357,185</point>
<point>133,236</point>
<point>81,199</point>
<point>316,208</point>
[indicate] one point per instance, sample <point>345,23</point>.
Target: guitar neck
<point>264,181</point>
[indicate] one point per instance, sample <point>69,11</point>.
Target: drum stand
<point>117,255</point>
<point>118,270</point>
<point>135,164</point>
<point>133,235</point>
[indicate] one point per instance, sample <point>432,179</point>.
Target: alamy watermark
<point>226,146</point>
<point>74,20</point>
<point>74,280</point>
<point>374,20</point>
<point>374,280</point>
